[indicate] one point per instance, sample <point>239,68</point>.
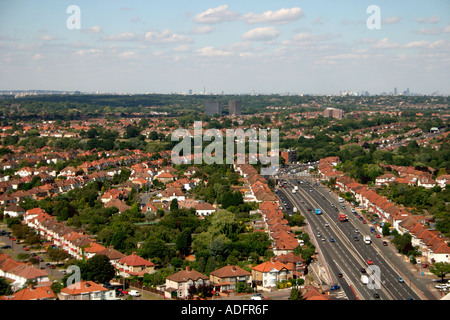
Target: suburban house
<point>86,290</point>
<point>227,278</point>
<point>114,256</point>
<point>134,265</point>
<point>19,272</point>
<point>32,292</point>
<point>267,274</point>
<point>204,209</point>
<point>14,211</point>
<point>178,284</point>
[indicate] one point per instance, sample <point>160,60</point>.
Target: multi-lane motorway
<point>344,253</point>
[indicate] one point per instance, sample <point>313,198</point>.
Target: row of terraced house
<point>431,243</point>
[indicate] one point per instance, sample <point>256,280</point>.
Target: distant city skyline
<point>230,47</point>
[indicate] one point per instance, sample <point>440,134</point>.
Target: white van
<point>134,293</point>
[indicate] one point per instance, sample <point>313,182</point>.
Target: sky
<point>234,47</point>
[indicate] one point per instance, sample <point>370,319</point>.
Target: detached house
<point>134,265</point>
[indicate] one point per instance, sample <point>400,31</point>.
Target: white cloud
<point>47,37</point>
<point>93,29</point>
<point>127,54</point>
<point>429,31</point>
<point>217,15</point>
<point>88,52</point>
<point>384,44</point>
<point>124,36</point>
<point>276,17</point>
<point>213,52</point>
<point>182,48</point>
<point>202,30</point>
<point>391,20</point>
<point>261,34</point>
<point>37,56</point>
<point>431,20</point>
<point>166,36</point>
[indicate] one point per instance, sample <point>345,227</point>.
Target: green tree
<point>295,294</point>
<point>440,269</point>
<point>99,269</point>
<point>5,287</point>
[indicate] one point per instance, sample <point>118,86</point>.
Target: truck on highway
<point>342,217</point>
<point>367,240</point>
<point>364,279</point>
<point>318,211</point>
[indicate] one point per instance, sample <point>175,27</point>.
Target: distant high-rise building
<point>190,91</point>
<point>235,107</point>
<point>333,113</point>
<point>395,91</point>
<point>213,107</point>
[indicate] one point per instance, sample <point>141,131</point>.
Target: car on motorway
<point>376,295</point>
<point>369,262</point>
<point>332,240</point>
<point>326,224</point>
<point>400,279</point>
<point>385,243</point>
<point>340,275</point>
<point>356,238</point>
<point>378,236</point>
<point>363,270</point>
<point>356,230</point>
<point>364,221</point>
<point>323,239</point>
<point>318,234</point>
<point>335,287</point>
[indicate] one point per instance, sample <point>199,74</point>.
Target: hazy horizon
<point>262,47</point>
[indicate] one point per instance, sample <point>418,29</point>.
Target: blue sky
<point>317,47</point>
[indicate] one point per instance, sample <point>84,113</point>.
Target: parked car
<point>6,247</point>
<point>257,296</point>
<point>385,243</point>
